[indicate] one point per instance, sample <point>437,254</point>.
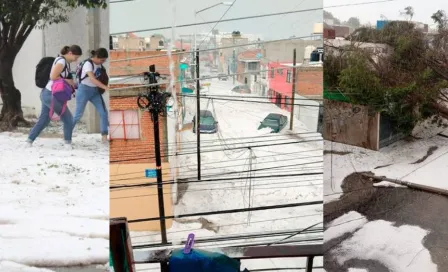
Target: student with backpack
<point>92,83</point>
<point>54,76</point>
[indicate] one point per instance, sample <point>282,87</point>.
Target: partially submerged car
<point>207,123</point>
<point>276,122</point>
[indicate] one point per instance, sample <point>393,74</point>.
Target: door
<point>278,100</point>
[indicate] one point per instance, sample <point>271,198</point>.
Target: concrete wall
<point>307,112</point>
<point>283,51</point>
<point>141,202</point>
<point>48,42</point>
<point>351,124</point>
<point>24,70</point>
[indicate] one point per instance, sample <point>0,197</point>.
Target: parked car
<point>242,89</point>
<point>222,77</point>
<point>275,121</point>
<point>207,123</point>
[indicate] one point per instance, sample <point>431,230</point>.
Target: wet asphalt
<point>403,206</point>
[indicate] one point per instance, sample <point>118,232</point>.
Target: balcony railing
<point>308,251</point>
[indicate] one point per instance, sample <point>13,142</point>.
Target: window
<point>288,76</point>
<point>280,71</point>
<point>252,66</point>
<point>272,72</point>
<point>255,78</point>
<point>124,125</point>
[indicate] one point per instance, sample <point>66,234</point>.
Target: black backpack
<point>101,76</point>
<point>43,70</point>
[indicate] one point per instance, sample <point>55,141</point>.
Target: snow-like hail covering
<point>54,202</point>
<point>285,154</point>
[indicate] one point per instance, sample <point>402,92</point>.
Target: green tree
<point>17,21</point>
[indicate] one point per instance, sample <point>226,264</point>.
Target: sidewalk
<point>53,201</point>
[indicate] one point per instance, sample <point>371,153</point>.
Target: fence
<point>308,251</point>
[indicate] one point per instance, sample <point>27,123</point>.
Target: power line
<point>213,49</point>
<point>249,17</point>
<point>217,150</point>
<point>190,147</point>
<point>250,235</point>
<point>211,180</point>
<point>211,77</point>
<point>218,21</point>
<point>235,224</point>
<point>235,160</point>
<point>259,102</point>
<point>239,172</point>
<point>270,135</point>
<point>261,208</point>
<point>231,189</point>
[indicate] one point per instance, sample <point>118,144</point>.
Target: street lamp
<point>204,9</point>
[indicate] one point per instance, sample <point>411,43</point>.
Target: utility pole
<point>294,72</point>
<point>198,115</point>
<point>234,66</point>
<point>155,102</point>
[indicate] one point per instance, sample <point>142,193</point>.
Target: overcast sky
<point>147,14</point>
<point>391,10</point>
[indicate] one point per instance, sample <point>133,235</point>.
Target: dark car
<point>222,77</point>
<point>274,121</point>
<point>208,124</point>
<point>242,89</point>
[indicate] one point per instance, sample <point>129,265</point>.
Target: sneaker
<point>104,138</point>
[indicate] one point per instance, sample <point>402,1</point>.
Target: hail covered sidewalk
<point>54,205</point>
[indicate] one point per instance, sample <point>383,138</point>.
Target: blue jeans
<point>85,94</point>
<point>44,118</point>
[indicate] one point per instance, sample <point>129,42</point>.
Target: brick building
<point>132,139</point>
<point>309,82</point>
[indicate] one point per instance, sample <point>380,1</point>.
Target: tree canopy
<point>402,80</point>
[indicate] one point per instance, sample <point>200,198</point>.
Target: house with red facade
<point>309,82</point>
<point>309,86</point>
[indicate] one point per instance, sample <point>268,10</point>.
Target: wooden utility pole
<point>293,95</point>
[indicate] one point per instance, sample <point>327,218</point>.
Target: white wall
<point>24,70</point>
<point>307,112</point>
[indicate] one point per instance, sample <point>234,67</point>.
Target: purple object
<point>189,243</point>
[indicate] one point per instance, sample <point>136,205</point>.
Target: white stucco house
<point>86,28</point>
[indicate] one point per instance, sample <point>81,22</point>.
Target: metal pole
<point>294,72</point>
<point>234,66</point>
<point>198,115</point>
<point>155,118</point>
<point>309,263</point>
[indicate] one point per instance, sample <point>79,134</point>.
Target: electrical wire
<point>261,208</point>
<point>218,21</point>
<point>233,225</point>
<point>217,150</point>
<point>250,17</point>
<point>211,180</point>
<point>209,77</point>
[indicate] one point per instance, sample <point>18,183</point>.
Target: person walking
<point>90,88</point>
<point>60,69</point>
